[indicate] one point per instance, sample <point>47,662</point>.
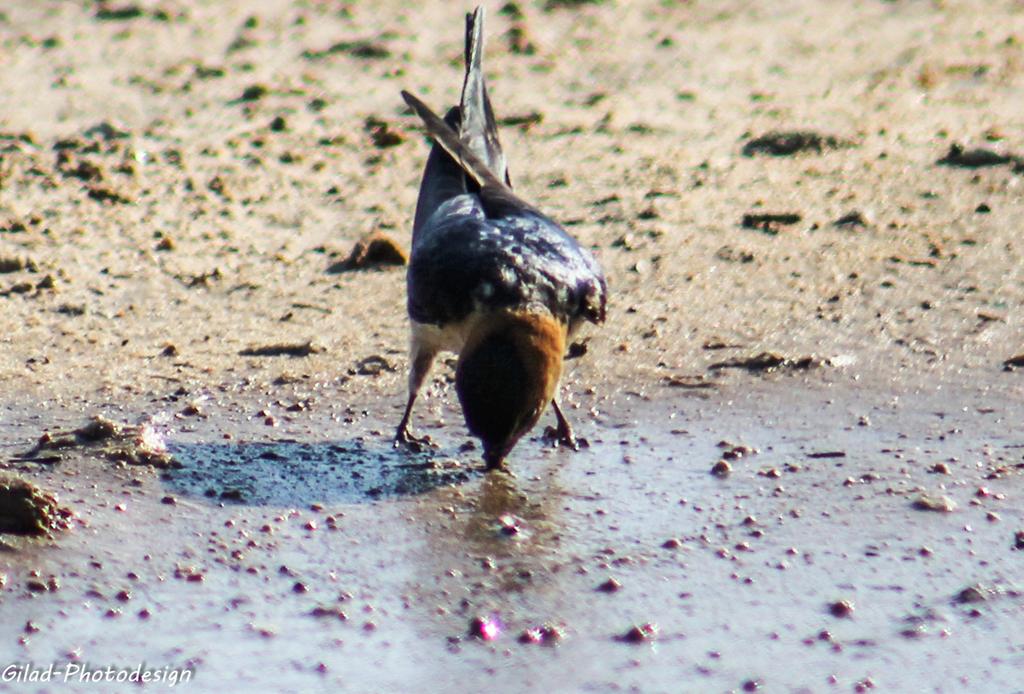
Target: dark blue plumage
<point>465,260</point>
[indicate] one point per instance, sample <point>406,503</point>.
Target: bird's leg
<point>562,434</point>
<point>402,434</point>
<point>421,361</point>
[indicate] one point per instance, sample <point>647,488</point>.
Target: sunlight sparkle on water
<point>486,628</point>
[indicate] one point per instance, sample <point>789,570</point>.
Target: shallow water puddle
<point>297,564</point>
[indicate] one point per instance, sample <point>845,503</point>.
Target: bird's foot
<point>563,437</point>
<point>405,439</point>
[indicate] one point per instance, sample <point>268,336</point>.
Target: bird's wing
<point>445,137</point>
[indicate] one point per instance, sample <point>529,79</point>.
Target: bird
<point>490,277</point>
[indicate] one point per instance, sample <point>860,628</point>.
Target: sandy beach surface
<point>810,215</point>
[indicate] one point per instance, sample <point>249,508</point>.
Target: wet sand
<point>176,182</point>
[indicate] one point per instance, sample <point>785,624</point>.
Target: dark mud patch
<point>854,218</point>
<point>299,349</point>
<point>291,473</point>
<point>577,349</point>
<point>569,4</point>
<point>382,134</point>
<point>960,157</point>
<point>769,222</point>
<point>373,365</point>
<point>690,382</point>
<point>375,250</point>
<point>118,13</point>
<point>767,362</point>
<point>522,120</point>
<point>25,509</point>
<point>788,143</point>
<point>17,264</point>
<point>363,49</point>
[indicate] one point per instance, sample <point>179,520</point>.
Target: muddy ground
<point>179,181</point>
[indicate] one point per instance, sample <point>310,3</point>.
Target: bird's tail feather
<point>467,145</point>
<point>478,128</point>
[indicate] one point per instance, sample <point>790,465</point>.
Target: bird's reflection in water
<point>503,520</point>
<point>493,549</point>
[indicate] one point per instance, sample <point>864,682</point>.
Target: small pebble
<point>938,504</point>
<point>841,609</point>
<point>640,633</point>
<point>721,469</point>
<point>543,634</point>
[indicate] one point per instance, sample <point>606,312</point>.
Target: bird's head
<point>508,372</point>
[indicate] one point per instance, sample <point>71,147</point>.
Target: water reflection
<point>492,549</point>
